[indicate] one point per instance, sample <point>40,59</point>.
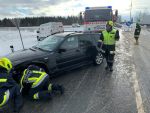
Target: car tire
<point>43,69</point>
<point>98,59</point>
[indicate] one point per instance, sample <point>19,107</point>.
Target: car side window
<point>70,43</point>
<point>95,37</point>
<point>85,41</point>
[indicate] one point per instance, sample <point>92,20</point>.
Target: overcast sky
<point>29,8</point>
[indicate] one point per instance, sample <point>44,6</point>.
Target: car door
<point>95,38</point>
<point>87,47</point>
<point>85,44</point>
<point>69,53</point>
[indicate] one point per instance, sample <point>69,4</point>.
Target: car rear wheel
<point>98,59</point>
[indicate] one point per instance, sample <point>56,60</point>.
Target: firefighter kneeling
<point>107,41</point>
<point>37,82</point>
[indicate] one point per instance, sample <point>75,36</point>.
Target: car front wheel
<point>98,59</point>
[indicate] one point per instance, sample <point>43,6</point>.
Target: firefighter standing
<point>9,89</point>
<point>137,33</point>
<point>37,82</point>
<point>108,39</point>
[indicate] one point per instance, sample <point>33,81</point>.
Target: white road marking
<point>138,98</point>
<point>136,87</point>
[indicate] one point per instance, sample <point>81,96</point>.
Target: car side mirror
<point>61,50</point>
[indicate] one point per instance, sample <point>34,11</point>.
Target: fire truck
<point>95,18</point>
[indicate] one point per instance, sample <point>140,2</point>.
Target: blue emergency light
<point>109,7</point>
<point>92,8</point>
<point>87,8</point>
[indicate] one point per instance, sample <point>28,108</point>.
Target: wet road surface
<point>141,59</point>
<point>91,89</point>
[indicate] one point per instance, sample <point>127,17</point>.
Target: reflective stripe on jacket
<point>5,98</point>
<point>35,78</point>
<point>109,37</point>
<point>6,82</point>
<point>3,80</point>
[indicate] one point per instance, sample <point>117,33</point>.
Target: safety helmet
<point>5,63</point>
<point>110,23</point>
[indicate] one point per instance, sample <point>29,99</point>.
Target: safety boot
<point>61,89</point>
<point>58,89</point>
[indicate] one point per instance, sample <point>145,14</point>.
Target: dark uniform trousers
<point>16,97</point>
<point>43,91</point>
<point>13,88</point>
<point>108,53</point>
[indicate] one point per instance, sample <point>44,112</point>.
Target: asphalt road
<point>141,59</point>
<point>91,89</point>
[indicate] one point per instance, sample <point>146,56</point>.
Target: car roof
<point>72,33</point>
<point>63,33</point>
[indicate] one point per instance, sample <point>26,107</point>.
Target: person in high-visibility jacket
<point>36,82</point>
<point>9,89</point>
<point>107,43</point>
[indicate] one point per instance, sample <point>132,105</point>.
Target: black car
<point>60,52</point>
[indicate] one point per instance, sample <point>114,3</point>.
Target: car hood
<point>26,55</point>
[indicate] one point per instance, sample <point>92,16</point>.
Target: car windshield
<point>50,43</point>
<point>98,15</point>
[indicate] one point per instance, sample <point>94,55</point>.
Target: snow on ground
<point>10,36</point>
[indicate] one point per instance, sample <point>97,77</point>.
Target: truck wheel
<point>98,59</point>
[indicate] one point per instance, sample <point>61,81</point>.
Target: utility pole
<point>21,37</point>
<point>131,11</point>
<point>16,22</point>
